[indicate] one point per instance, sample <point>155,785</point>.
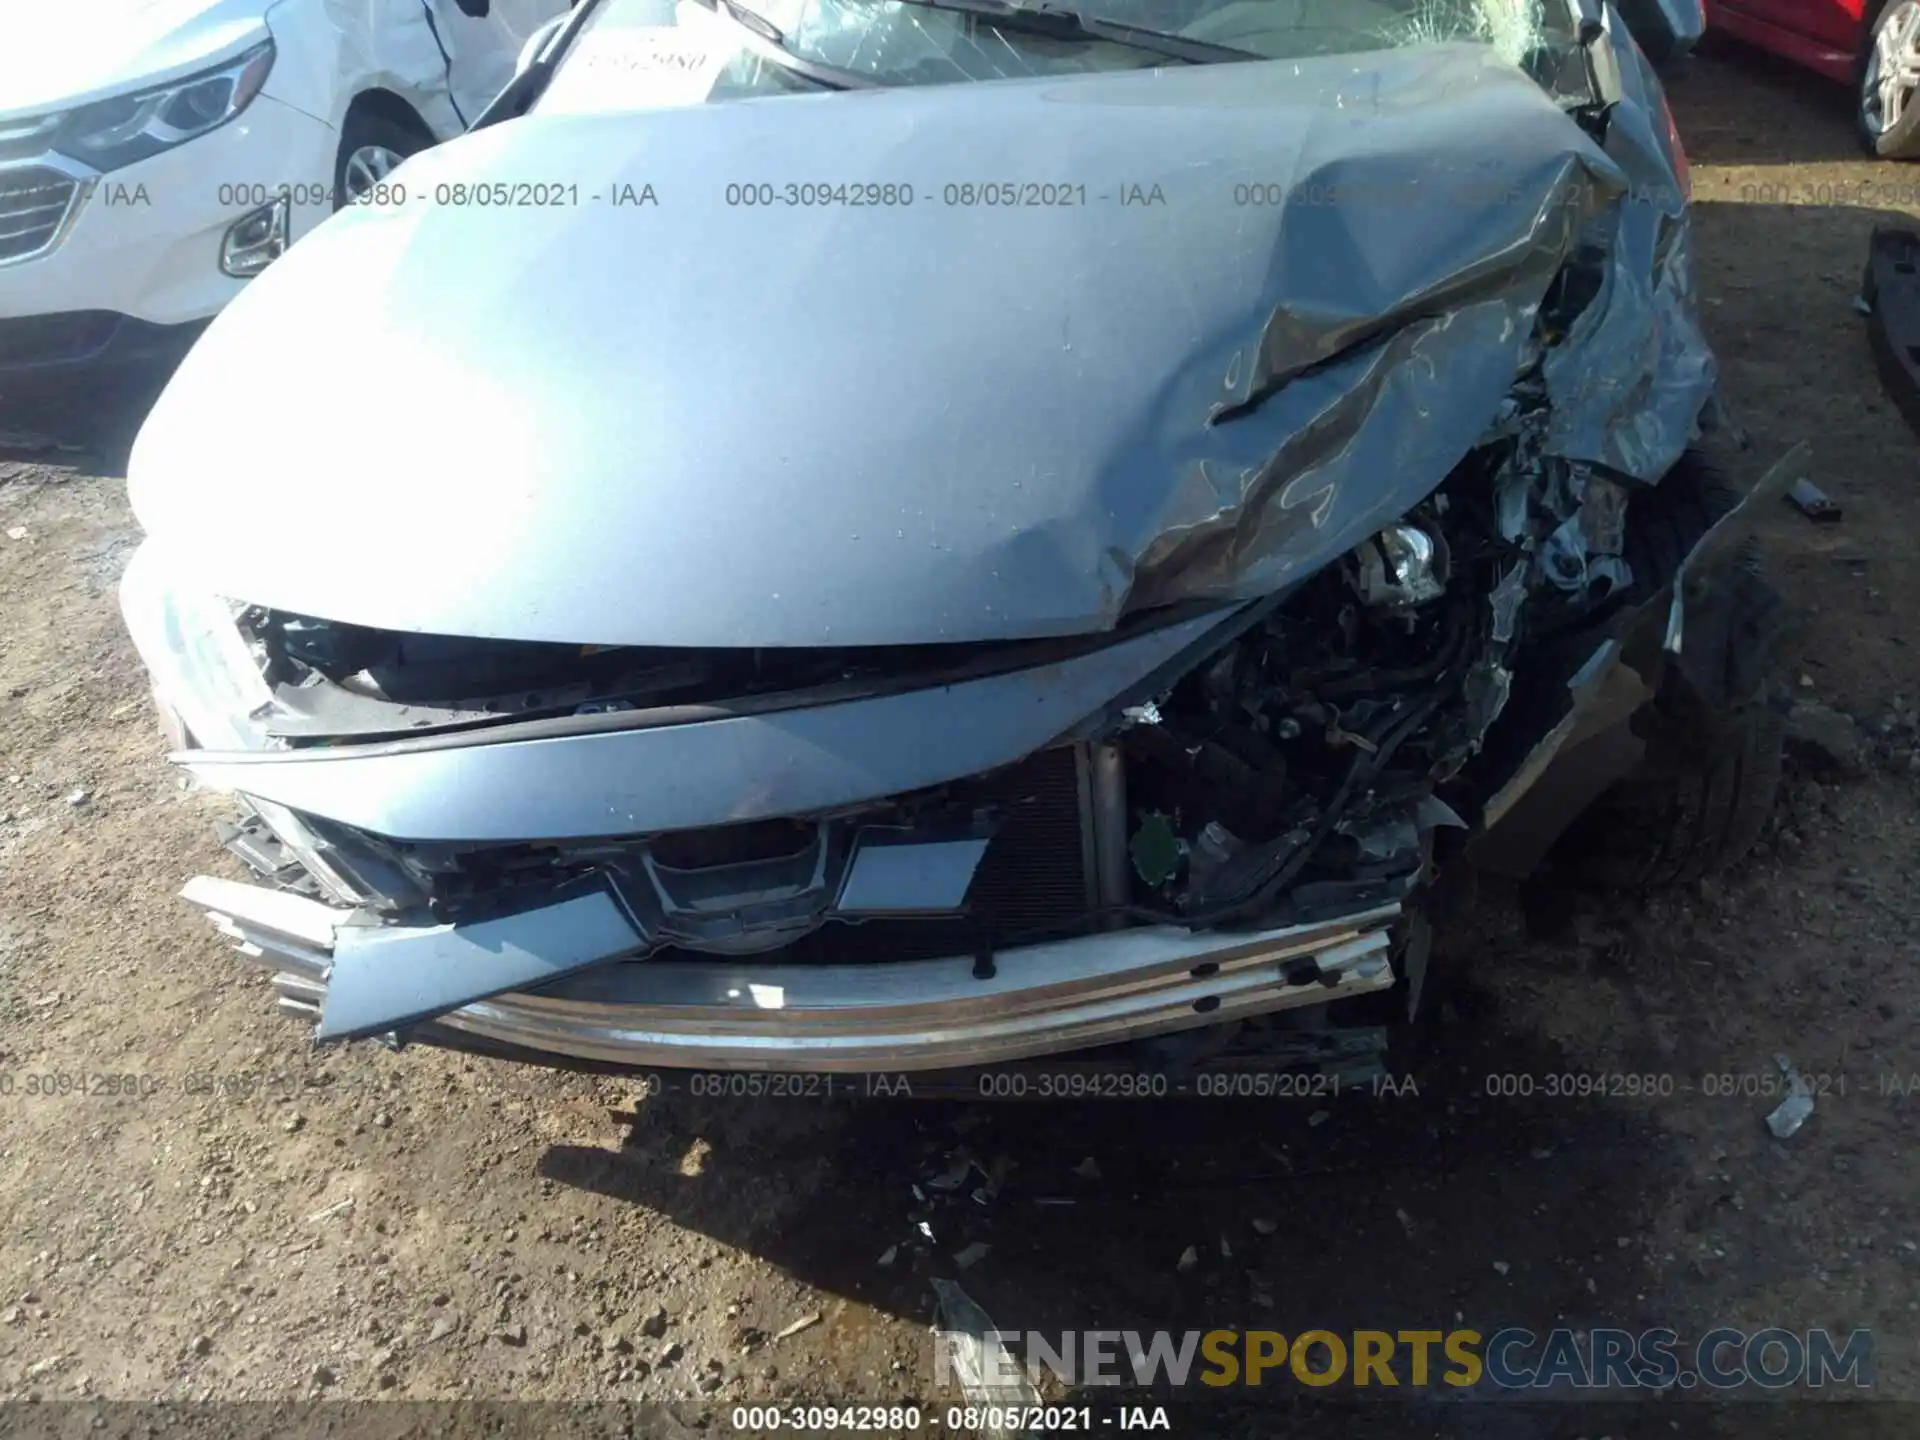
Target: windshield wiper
<point>1058,23</point>
<point>526,85</point>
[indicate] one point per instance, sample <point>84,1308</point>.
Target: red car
<point>1871,44</point>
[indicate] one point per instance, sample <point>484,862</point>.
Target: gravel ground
<point>226,1215</point>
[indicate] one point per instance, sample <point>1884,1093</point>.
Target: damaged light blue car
<point>923,534</point>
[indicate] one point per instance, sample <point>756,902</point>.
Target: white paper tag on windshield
<point>615,68</point>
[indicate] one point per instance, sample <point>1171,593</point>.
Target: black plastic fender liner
<point>1666,30</point>
<point>1891,289</point>
<point>1726,627</point>
<point>1712,631</point>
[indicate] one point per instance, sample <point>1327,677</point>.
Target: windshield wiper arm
<point>1059,23</point>
<point>526,85</point>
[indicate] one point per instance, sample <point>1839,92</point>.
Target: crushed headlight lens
<point>201,668</point>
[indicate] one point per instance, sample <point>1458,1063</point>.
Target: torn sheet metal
<point>1628,383</point>
<point>1281,302</point>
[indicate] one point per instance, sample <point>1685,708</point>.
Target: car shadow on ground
<point>1736,105</point>
<point>1436,1203</point>
<point>1477,1201</point>
<point>86,425</point>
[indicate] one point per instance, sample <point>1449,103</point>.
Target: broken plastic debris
<point>1813,502</point>
<point>972,1255</point>
<point>887,1255</point>
<point>1189,1258</point>
<point>1432,813</point>
<point>805,1322</point>
<point>988,1375</point>
<point>338,1207</point>
<point>958,1169</point>
<point>1791,1113</point>
<point>1147,714</point>
<point>1505,599</point>
<point>1215,845</point>
<point>996,1174</point>
<point>1603,516</point>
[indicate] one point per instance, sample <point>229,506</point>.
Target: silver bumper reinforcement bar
<point>759,1014</point>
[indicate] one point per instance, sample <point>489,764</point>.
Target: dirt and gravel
<point>204,1209</point>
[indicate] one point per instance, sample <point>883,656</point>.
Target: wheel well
<point>388,106</point>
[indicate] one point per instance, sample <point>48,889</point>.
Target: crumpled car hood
<point>1294,297</point>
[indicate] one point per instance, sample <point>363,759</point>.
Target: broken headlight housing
<point>204,675</point>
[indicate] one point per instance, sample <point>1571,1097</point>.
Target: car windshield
<point>646,53</point>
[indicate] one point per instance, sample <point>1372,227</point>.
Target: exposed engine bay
<point>1291,775</point>
<point>1107,646</point>
<point>1306,759</point>
<point>1314,754</point>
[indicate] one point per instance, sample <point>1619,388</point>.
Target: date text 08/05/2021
<point>959,1419</point>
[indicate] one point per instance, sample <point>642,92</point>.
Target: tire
<point>1706,788</point>
<point>367,137</point>
<point>1895,32</point>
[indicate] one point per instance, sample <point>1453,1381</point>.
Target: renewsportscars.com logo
<point>1512,1359</point>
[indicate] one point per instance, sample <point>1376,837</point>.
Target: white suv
<point>154,154</point>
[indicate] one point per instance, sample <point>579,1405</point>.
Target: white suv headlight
<point>128,128</point>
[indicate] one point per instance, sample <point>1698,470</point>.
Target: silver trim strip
<point>754,1014</point>
<point>84,178</point>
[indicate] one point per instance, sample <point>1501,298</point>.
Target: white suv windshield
<point>645,53</point>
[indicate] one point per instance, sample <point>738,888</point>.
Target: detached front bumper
<point>905,1015</point>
